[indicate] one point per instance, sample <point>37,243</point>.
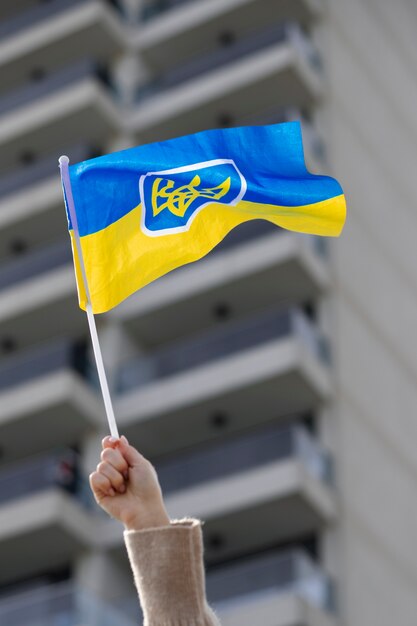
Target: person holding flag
<point>166,555</point>
<point>134,216</point>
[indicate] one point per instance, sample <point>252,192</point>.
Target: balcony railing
<point>60,469</point>
<point>40,361</point>
<point>288,572</point>
<point>221,342</point>
<point>243,453</point>
<point>289,32</point>
<point>156,7</point>
<point>61,604</point>
<point>57,80</point>
<point>35,263</point>
<point>42,168</point>
<point>37,14</point>
<point>34,15</point>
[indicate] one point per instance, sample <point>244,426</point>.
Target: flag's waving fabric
<point>145,211</point>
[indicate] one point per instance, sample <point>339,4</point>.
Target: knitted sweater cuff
<point>167,564</point>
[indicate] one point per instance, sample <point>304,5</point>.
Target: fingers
<point>110,442</point>
<point>114,457</point>
<point>128,452</point>
<point>113,470</point>
<point>101,485</point>
<point>116,479</point>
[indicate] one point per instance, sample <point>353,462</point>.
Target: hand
<point>126,486</point>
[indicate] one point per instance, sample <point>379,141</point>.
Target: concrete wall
<point>370,120</point>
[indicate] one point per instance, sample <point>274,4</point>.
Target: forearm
<point>167,564</point>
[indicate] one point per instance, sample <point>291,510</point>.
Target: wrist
<point>144,520</point>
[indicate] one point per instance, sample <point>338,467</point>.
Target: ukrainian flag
<point>144,211</point>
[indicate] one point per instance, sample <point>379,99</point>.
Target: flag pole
<point>66,183</point>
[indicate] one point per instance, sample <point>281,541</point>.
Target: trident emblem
<point>171,199</point>
<point>177,201</point>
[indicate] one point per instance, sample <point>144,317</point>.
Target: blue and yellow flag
<point>144,211</point>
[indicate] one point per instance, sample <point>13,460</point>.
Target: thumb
<point>130,454</point>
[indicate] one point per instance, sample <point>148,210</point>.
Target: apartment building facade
<point>259,380</point>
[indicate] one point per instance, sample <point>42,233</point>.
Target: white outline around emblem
<point>188,168</point>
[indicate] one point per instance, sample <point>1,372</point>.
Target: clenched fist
<point>126,486</point>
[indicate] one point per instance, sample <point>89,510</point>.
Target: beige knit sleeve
<point>168,569</point>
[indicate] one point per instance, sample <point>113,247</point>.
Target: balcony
<point>28,267</point>
<point>31,204</point>
<point>72,104</point>
<point>278,66</point>
<point>276,361</point>
<point>43,531</point>
<point>240,487</point>
<point>216,461</point>
<point>52,34</point>
<point>26,488</point>
<point>62,604</point>
<point>175,30</point>
<point>38,299</point>
<point>258,265</point>
<point>45,392</point>
<point>58,470</point>
<point>216,344</point>
<point>39,170</point>
<point>278,589</point>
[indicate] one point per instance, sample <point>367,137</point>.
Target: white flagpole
<point>66,182</point>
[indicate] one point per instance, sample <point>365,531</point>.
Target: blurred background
<point>273,384</point>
